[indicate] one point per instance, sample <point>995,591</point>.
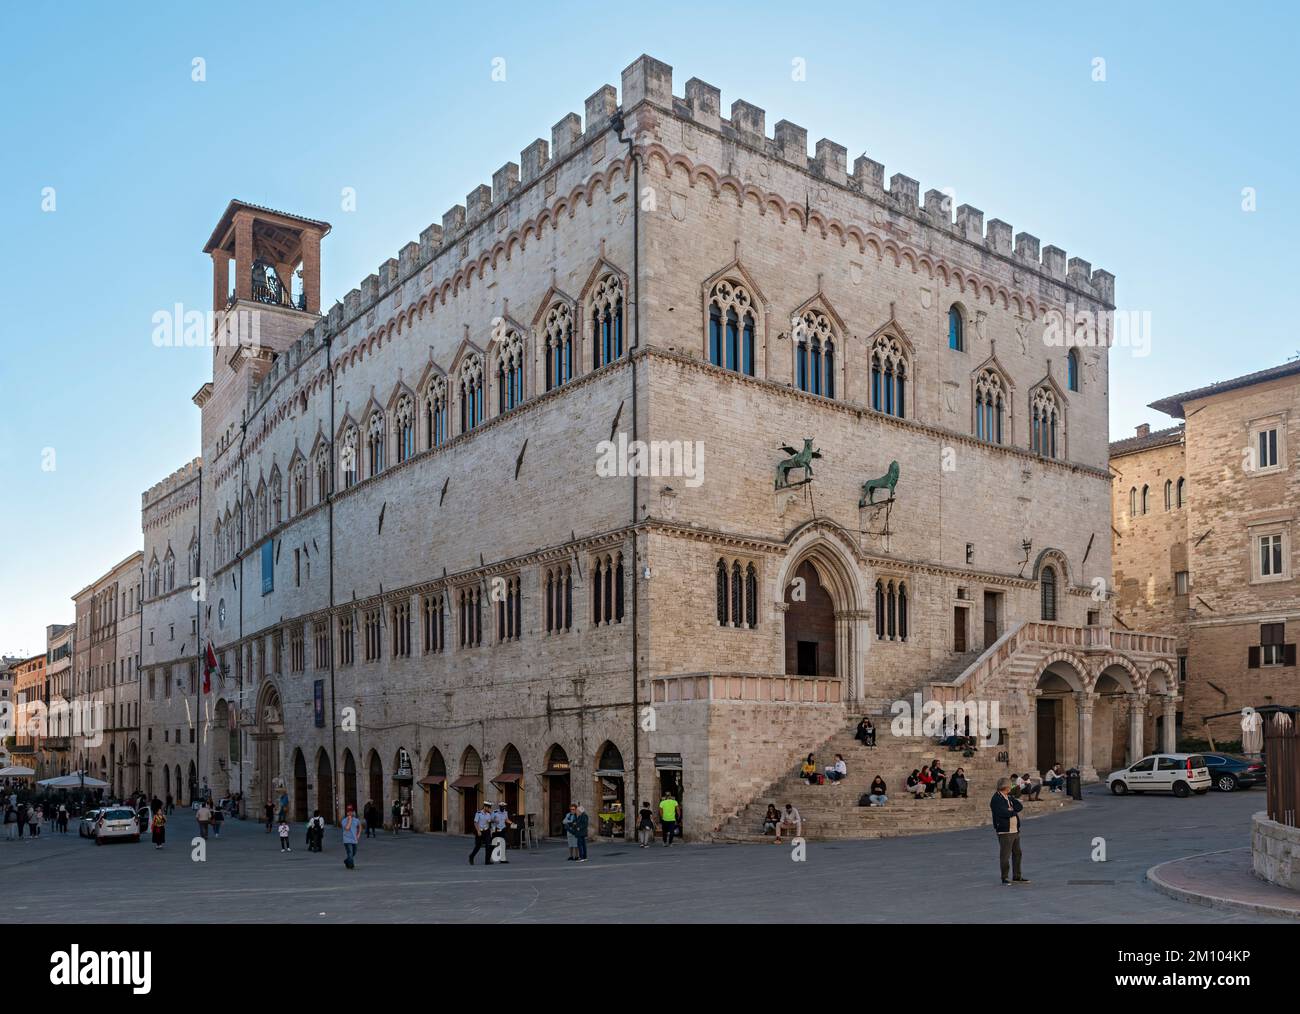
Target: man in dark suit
<point>1006,822</point>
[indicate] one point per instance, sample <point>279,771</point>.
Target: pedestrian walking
<point>570,834</point>
<point>397,816</point>
<point>159,825</point>
<point>1006,823</point>
<point>371,815</point>
<point>22,820</point>
<point>204,817</point>
<point>482,834</point>
<point>315,832</point>
<point>270,815</point>
<point>645,825</point>
<point>171,804</point>
<point>500,821</point>
<point>351,828</point>
<point>284,836</point>
<point>34,822</point>
<point>218,818</point>
<point>11,821</point>
<point>63,818</point>
<point>668,807</point>
<point>284,806</point>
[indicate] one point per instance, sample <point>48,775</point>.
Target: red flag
<point>209,667</point>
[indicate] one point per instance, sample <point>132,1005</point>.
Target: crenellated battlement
<point>184,475</point>
<point>650,81</point>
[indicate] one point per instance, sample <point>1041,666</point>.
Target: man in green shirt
<point>668,809</point>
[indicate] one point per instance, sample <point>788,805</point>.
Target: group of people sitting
<point>1029,785</point>
<point>833,773</point>
<point>932,781</point>
<point>775,821</point>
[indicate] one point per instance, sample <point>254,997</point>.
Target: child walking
<point>284,836</point>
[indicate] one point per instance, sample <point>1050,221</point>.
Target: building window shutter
<point>1288,655</point>
<point>1252,657</point>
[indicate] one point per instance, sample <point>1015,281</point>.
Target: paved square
<point>948,877</point>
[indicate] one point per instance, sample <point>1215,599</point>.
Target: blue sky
<point>1141,174</point>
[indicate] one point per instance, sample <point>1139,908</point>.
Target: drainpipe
<point>243,542</point>
<point>618,125</point>
<point>198,602</point>
<point>329,500</point>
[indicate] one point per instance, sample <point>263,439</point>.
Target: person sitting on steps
<point>958,785</point>
<point>877,794</point>
<point>1032,786</point>
<point>940,777</point>
<point>866,734</point>
<point>927,780</point>
<point>808,771</point>
<point>789,818</point>
<point>771,819</point>
<point>914,785</point>
<point>1054,779</point>
<point>837,771</point>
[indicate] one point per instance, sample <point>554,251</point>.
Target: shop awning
<point>609,773</point>
<point>555,773</point>
<point>507,778</point>
<point>433,780</point>
<point>467,782</point>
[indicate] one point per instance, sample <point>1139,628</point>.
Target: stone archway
<point>1055,728</point>
<point>821,599</point>
<point>1113,703</point>
<point>1162,701</point>
<point>268,781</point>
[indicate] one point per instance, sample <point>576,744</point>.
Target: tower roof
<point>221,235</point>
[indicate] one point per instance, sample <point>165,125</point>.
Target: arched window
<point>880,611</point>
<point>1048,589</point>
<point>1072,370</point>
<point>155,578</point>
<point>1133,502</point>
<point>194,559</point>
<point>721,593</point>
<point>990,407</point>
<point>404,427</point>
<point>607,321</point>
<point>1179,490</point>
<point>1169,494</point>
<point>751,597</point>
<point>375,433</point>
<point>1045,418</point>
<point>261,526</point>
<point>558,350</point>
<point>731,327</point>
<point>299,482</point>
<point>889,377</point>
<point>248,533</point>
<point>956,329</point>
<point>471,393</point>
<point>815,341</point>
<point>218,546</point>
<point>169,571</point>
<point>1146,499</point>
<point>435,413</point>
<point>277,498</point>
<point>323,473</point>
<point>510,371</point>
<point>348,457</point>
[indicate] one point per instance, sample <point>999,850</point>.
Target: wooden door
<point>1046,734</point>
<point>559,804</point>
<point>958,629</point>
<point>990,618</point>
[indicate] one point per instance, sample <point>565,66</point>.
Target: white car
<point>117,822</point>
<point>1179,773</point>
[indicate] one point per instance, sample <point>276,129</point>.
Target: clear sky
<point>1142,174</point>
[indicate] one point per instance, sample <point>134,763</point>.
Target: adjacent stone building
<point>1204,513</point>
<point>507,521</point>
<point>106,686</point>
<point>60,645</point>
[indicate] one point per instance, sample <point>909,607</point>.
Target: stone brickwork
<point>1275,852</point>
<point>1232,499</point>
<point>501,508</point>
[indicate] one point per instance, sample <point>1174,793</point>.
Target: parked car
<point>1179,773</point>
<point>117,822</point>
<point>87,826</point>
<point>1230,771</point>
